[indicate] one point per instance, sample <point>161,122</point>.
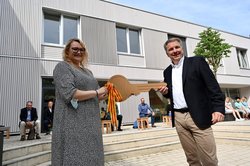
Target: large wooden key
<point>126,89</point>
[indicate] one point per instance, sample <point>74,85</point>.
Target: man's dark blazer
<point>24,113</point>
<point>48,115</point>
<point>201,90</point>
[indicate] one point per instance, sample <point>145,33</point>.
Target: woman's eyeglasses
<point>76,50</point>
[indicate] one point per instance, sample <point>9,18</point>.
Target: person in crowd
<point>48,117</point>
<point>245,105</point>
<point>229,109</point>
<point>244,102</point>
<point>28,119</point>
<point>119,118</point>
<point>248,101</point>
<point>168,108</point>
<point>146,111</point>
<point>197,102</point>
<point>106,116</point>
<point>240,107</point>
<point>77,135</point>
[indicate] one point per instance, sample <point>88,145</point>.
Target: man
<point>48,117</point>
<point>106,116</point>
<point>197,102</point>
<point>146,111</point>
<point>28,119</point>
<point>119,118</point>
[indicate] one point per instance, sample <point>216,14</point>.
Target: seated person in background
<point>119,118</point>
<point>245,105</point>
<point>239,106</point>
<point>169,109</point>
<point>28,117</point>
<point>106,116</point>
<point>229,109</point>
<point>248,102</point>
<point>48,117</point>
<point>146,111</point>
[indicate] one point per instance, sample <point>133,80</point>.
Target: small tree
<point>212,48</point>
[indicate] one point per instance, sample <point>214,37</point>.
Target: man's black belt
<point>182,110</point>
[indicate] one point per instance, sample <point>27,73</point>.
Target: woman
<point>229,109</point>
<point>77,136</point>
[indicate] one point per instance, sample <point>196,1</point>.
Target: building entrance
<point>48,94</point>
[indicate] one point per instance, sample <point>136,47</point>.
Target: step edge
<point>136,132</point>
<point>138,139</point>
<point>144,147</point>
<point>26,146</point>
<point>38,154</point>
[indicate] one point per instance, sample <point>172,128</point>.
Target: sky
<point>226,15</point>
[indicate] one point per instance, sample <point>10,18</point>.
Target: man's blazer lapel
<point>169,77</point>
<point>184,70</point>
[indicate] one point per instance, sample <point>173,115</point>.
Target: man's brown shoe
<point>22,138</point>
<point>38,136</point>
<point>153,126</point>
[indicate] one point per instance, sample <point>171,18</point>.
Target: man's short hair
<point>172,40</point>
<point>29,102</point>
<point>236,98</point>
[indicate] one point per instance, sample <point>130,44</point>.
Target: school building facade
<point>120,40</point>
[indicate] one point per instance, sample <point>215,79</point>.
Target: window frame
<point>61,26</point>
<point>231,92</point>
<point>242,58</point>
<point>127,29</point>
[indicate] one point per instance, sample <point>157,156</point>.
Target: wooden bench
<point>107,124</point>
<point>7,129</point>
<point>142,123</point>
<point>166,120</point>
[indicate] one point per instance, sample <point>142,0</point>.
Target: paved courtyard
<point>229,154</point>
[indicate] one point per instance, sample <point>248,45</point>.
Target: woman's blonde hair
<point>67,48</point>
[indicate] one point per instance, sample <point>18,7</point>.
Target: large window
<point>69,28</point>
<point>231,92</point>
<point>58,29</point>
<point>128,40</point>
<point>51,28</point>
<point>242,58</point>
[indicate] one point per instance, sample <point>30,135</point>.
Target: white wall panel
<point>130,60</point>
<point>132,73</point>
<point>99,36</point>
<point>21,23</point>
<point>20,82</point>
<point>245,92</point>
<point>47,67</point>
<point>191,45</point>
<point>155,55</point>
<point>52,52</point>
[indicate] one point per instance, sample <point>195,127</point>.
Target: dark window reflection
<point>121,40</point>
<point>69,28</point>
<point>51,28</point>
<point>134,41</point>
